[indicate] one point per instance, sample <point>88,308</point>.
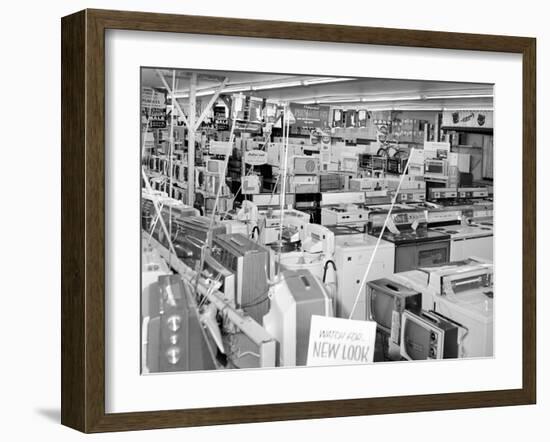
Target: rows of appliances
<point>267,265</point>
<point>358,241</point>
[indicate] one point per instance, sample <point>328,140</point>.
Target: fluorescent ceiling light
<point>261,87</point>
<point>482,109</point>
<point>377,99</point>
<point>339,100</point>
<point>437,97</point>
<point>324,80</point>
<point>236,89</point>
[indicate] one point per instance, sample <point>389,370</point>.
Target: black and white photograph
<point>304,220</point>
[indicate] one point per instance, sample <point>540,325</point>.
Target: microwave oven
<point>435,167</point>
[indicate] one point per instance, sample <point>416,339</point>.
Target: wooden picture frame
<point>83,219</point>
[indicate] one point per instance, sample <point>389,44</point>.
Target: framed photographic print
<point>269,220</point>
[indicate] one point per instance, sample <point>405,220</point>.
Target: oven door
<point>411,256</point>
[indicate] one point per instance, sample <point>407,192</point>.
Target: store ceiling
<point>374,92</point>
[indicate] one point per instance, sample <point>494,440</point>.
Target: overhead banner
<point>309,115</point>
<point>468,119</point>
<point>153,107</point>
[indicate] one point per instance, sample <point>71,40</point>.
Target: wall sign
<point>468,119</point>
<point>309,115</point>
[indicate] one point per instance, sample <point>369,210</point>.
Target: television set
<point>386,302</point>
<point>428,335</point>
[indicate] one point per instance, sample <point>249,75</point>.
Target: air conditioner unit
<point>215,166</point>
<point>305,165</point>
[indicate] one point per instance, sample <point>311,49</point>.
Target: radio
<point>427,335</point>
<point>252,264</point>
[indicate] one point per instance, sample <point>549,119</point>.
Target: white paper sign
<point>255,157</point>
<point>337,341</point>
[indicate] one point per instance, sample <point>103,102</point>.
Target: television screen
<point>416,340</point>
<point>382,306</point>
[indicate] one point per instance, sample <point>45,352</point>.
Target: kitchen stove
<point>415,244</point>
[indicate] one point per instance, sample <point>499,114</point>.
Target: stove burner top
<point>412,236</point>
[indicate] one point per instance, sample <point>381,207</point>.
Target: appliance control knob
<point>174,323</point>
<point>173,354</point>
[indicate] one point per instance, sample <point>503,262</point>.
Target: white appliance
<point>220,148</point>
<point>462,292</point>
<point>303,184</point>
<point>251,184</point>
<point>343,214</point>
<point>472,309</point>
<point>365,184</point>
<point>275,153</point>
<point>459,160</point>
<point>215,166</point>
<point>436,149</point>
<point>269,223</point>
<point>469,241</point>
<point>349,163</point>
<point>352,256</point>
<point>304,165</point>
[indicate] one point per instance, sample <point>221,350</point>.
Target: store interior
<point>271,199</point>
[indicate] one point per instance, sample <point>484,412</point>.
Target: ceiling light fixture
<point>261,87</point>
<point>315,81</point>
<point>377,99</point>
<point>442,97</point>
<point>338,100</point>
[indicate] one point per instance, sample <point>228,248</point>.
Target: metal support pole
<point>182,114</point>
<point>211,102</point>
<point>191,140</point>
